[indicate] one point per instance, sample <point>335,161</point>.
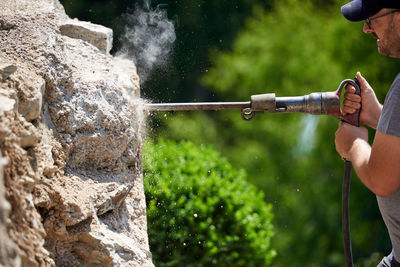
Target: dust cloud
<point>148,38</point>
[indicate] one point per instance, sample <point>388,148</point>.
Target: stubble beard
<point>390,47</point>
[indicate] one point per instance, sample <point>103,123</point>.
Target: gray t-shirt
<point>389,123</point>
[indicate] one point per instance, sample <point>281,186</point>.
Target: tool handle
<point>353,119</point>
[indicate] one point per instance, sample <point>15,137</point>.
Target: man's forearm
<point>359,155</point>
<point>377,166</point>
<point>373,119</point>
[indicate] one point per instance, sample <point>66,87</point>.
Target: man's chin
<point>383,52</point>
<point>386,53</point>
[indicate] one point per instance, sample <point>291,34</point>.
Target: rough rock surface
<point>71,125</point>
<point>97,35</point>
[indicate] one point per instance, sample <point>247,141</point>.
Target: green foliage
<point>201,211</point>
<point>294,49</point>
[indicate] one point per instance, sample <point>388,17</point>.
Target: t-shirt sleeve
<point>389,122</point>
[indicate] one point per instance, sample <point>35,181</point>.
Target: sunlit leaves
<point>201,211</point>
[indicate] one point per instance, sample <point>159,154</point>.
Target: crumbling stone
<point>6,69</point>
<point>6,104</point>
<point>29,137</point>
<point>8,251</point>
<point>97,35</point>
<point>30,97</point>
<point>71,128</point>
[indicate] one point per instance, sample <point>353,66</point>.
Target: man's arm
<point>378,167</point>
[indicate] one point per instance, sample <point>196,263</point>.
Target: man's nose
<point>367,29</point>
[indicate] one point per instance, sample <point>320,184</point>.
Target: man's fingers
<point>363,82</point>
<point>350,89</point>
<point>351,104</point>
<point>348,110</point>
<point>352,97</point>
<point>350,107</point>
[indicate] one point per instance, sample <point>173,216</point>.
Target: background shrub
<point>201,211</point>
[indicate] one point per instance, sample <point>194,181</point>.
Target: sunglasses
<point>368,21</point>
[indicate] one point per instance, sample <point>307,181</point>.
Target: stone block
<point>126,76</point>
<point>5,207</point>
<point>97,35</point>
<point>6,104</point>
<point>30,100</point>
<point>29,137</point>
<point>6,69</point>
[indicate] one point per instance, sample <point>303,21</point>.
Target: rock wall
<point>71,127</point>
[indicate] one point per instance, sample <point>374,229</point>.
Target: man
<point>377,166</point>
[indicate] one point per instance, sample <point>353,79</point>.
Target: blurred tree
<point>296,48</point>
<point>201,211</point>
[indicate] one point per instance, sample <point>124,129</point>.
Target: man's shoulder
<point>395,88</point>
<point>389,121</point>
<point>396,81</point>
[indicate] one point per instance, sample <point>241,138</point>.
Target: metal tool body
<point>322,103</point>
<point>315,103</point>
<point>199,106</point>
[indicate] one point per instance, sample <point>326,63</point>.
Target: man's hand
<point>348,137</point>
<point>371,108</point>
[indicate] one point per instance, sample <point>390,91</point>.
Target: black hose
<point>346,214</point>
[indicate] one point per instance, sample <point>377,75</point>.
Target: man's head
<point>382,21</point>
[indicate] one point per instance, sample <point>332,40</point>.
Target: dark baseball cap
<point>359,10</point>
